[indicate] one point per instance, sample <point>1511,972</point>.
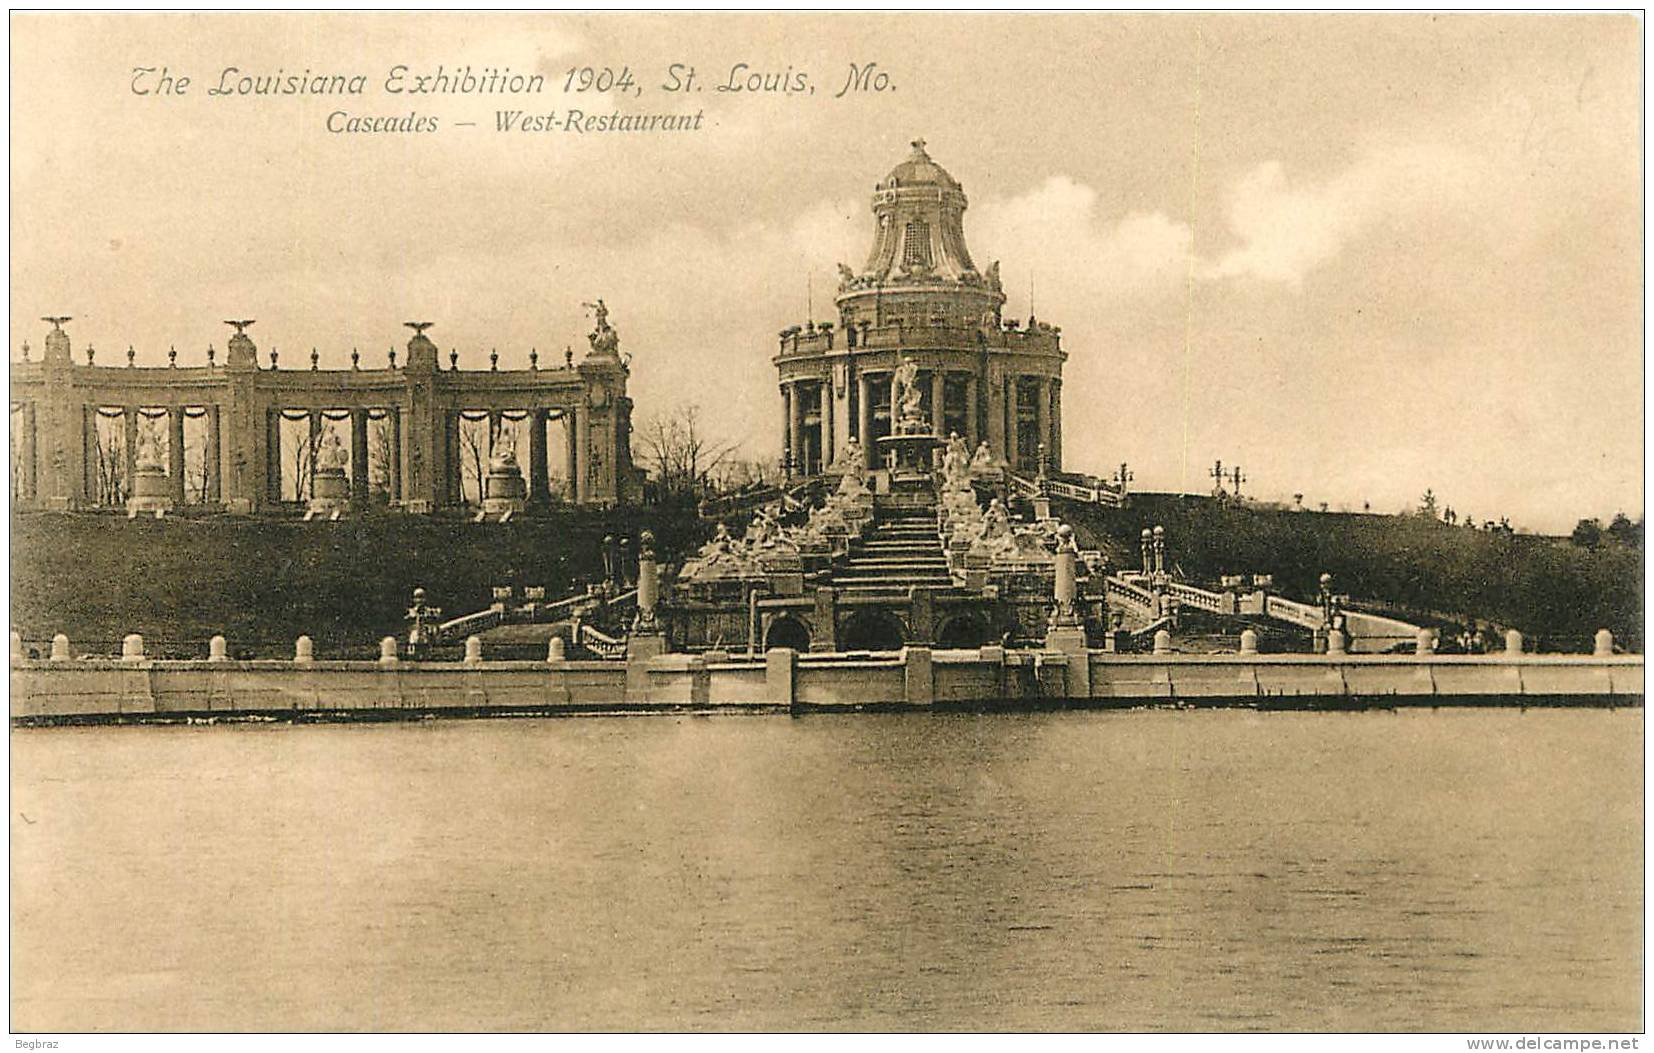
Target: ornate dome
<point>918,170</point>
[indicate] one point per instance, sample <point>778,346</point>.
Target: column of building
<point>359,457</point>
<point>938,396</point>
<point>539,483</point>
<point>826,425</point>
<point>175,453</point>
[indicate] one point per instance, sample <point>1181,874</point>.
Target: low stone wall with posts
<point>62,689</point>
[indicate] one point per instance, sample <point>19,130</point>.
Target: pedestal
<point>504,491</point>
<point>330,493</point>
<point>151,490</point>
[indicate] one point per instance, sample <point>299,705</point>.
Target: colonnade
<point>1014,413</point>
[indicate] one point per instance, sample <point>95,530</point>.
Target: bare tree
<point>677,450</point>
<point>473,454</point>
<point>381,453</point>
<point>300,457</point>
<point>109,448</point>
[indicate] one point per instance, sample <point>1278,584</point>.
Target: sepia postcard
<point>762,522</point>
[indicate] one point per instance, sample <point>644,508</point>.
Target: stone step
<point>850,576</point>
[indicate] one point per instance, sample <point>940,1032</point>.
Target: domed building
<point>920,296</point>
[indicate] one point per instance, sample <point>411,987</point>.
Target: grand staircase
<point>903,550</point>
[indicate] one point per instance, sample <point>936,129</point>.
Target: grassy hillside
<point>263,582</point>
<point>1555,592</point>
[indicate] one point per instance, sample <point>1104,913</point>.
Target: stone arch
<point>873,631</point>
<point>967,629</point>
<point>787,631</point>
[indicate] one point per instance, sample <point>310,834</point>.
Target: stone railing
<point>1141,600</point>
<point>602,644</point>
<point>137,688</point>
<point>1190,596</point>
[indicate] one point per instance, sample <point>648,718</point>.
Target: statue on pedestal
<point>332,456</point>
<point>905,395</point>
<point>604,340</point>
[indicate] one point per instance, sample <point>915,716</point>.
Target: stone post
<point>218,649</point>
<point>1148,551</point>
<point>1426,642</point>
<point>132,648</point>
<point>387,651</point>
<point>1248,642</point>
<point>304,650</point>
<point>648,585</point>
<point>1513,642</point>
<point>556,650</point>
<point>175,454</point>
<point>1604,644</point>
<point>1162,642</point>
<point>778,674</point>
<point>1337,643</point>
<point>473,650</point>
<point>971,439</point>
<point>1065,613</point>
<point>918,677</point>
<point>60,648</point>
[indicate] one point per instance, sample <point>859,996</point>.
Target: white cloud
<point>1288,229</point>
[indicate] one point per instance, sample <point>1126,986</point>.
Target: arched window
<point>916,244</point>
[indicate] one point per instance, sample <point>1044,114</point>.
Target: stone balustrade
<point>135,687</point>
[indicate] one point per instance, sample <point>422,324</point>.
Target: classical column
<point>864,408</point>
<point>359,457</point>
<point>272,456</point>
<point>91,488</point>
<point>787,429</point>
<point>938,396</point>
<point>175,453</point>
<point>970,412</point>
<point>131,448</point>
<point>393,417</point>
<point>315,448</point>
<point>1056,424</point>
<point>571,440</point>
<point>796,428</point>
<point>582,454</point>
<point>1043,409</point>
<point>25,451</point>
<point>1012,423</point>
<point>214,456</point>
<point>538,483</point>
<point>826,422</point>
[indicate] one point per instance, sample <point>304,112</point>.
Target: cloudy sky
<point>1358,255</point>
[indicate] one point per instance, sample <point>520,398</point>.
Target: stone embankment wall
<point>138,688</point>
